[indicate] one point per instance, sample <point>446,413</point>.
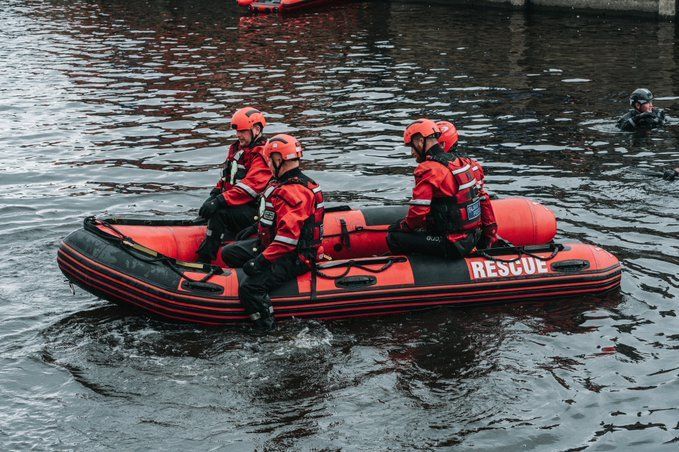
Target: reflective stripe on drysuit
<point>292,219</point>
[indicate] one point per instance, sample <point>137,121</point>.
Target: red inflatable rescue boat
<point>146,264</point>
<point>348,232</point>
<point>270,6</point>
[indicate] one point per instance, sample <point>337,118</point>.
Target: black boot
<point>265,324</point>
<point>207,251</point>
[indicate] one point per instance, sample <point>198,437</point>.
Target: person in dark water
<point>642,115</point>
<point>232,205</point>
<point>289,232</point>
<point>450,213</point>
<point>670,174</point>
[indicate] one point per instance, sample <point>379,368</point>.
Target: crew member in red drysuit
<point>232,205</point>
<point>289,234</point>
<point>450,213</point>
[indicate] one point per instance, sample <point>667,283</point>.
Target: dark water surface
<point>123,106</point>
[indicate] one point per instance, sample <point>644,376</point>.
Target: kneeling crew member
<point>289,236</point>
<point>446,212</point>
<point>232,205</point>
<point>643,115</point>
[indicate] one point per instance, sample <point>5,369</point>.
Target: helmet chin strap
<point>254,137</point>
<point>422,155</point>
<point>277,168</point>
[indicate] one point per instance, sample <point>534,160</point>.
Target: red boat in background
<point>273,6</point>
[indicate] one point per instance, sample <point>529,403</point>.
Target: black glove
<point>399,226</point>
<point>256,266</point>
<point>670,174</point>
<point>646,119</point>
<point>247,232</point>
<point>644,115</point>
<point>488,237</point>
<point>215,191</point>
<point>661,117</point>
<point>211,205</point>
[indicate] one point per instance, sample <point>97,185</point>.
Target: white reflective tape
<point>288,240</point>
<point>233,169</point>
<point>268,191</point>
<point>467,185</point>
<point>290,156</point>
<point>266,222</point>
<point>241,166</point>
<point>475,168</point>
<point>237,155</point>
<point>247,189</point>
<point>268,204</point>
<point>316,190</point>
<point>462,170</point>
<point>420,202</point>
<point>631,121</point>
<point>320,205</point>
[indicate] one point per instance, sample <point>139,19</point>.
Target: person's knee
<point>232,257</point>
<point>236,254</point>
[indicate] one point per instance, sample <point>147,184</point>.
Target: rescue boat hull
<point>116,270</point>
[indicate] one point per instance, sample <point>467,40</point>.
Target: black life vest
<point>461,212</point>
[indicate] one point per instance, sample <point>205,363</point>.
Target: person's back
<point>448,140</point>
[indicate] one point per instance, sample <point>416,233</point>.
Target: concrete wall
<point>665,8</point>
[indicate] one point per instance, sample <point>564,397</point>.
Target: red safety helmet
<point>246,118</point>
<point>285,145</point>
<point>449,135</point>
<point>424,127</point>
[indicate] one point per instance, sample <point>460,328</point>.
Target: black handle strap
<point>520,252</point>
<point>361,265</point>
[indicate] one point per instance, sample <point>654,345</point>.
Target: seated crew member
<point>642,115</point>
<point>448,140</point>
<point>450,214</point>
<point>290,230</point>
<point>232,205</point>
